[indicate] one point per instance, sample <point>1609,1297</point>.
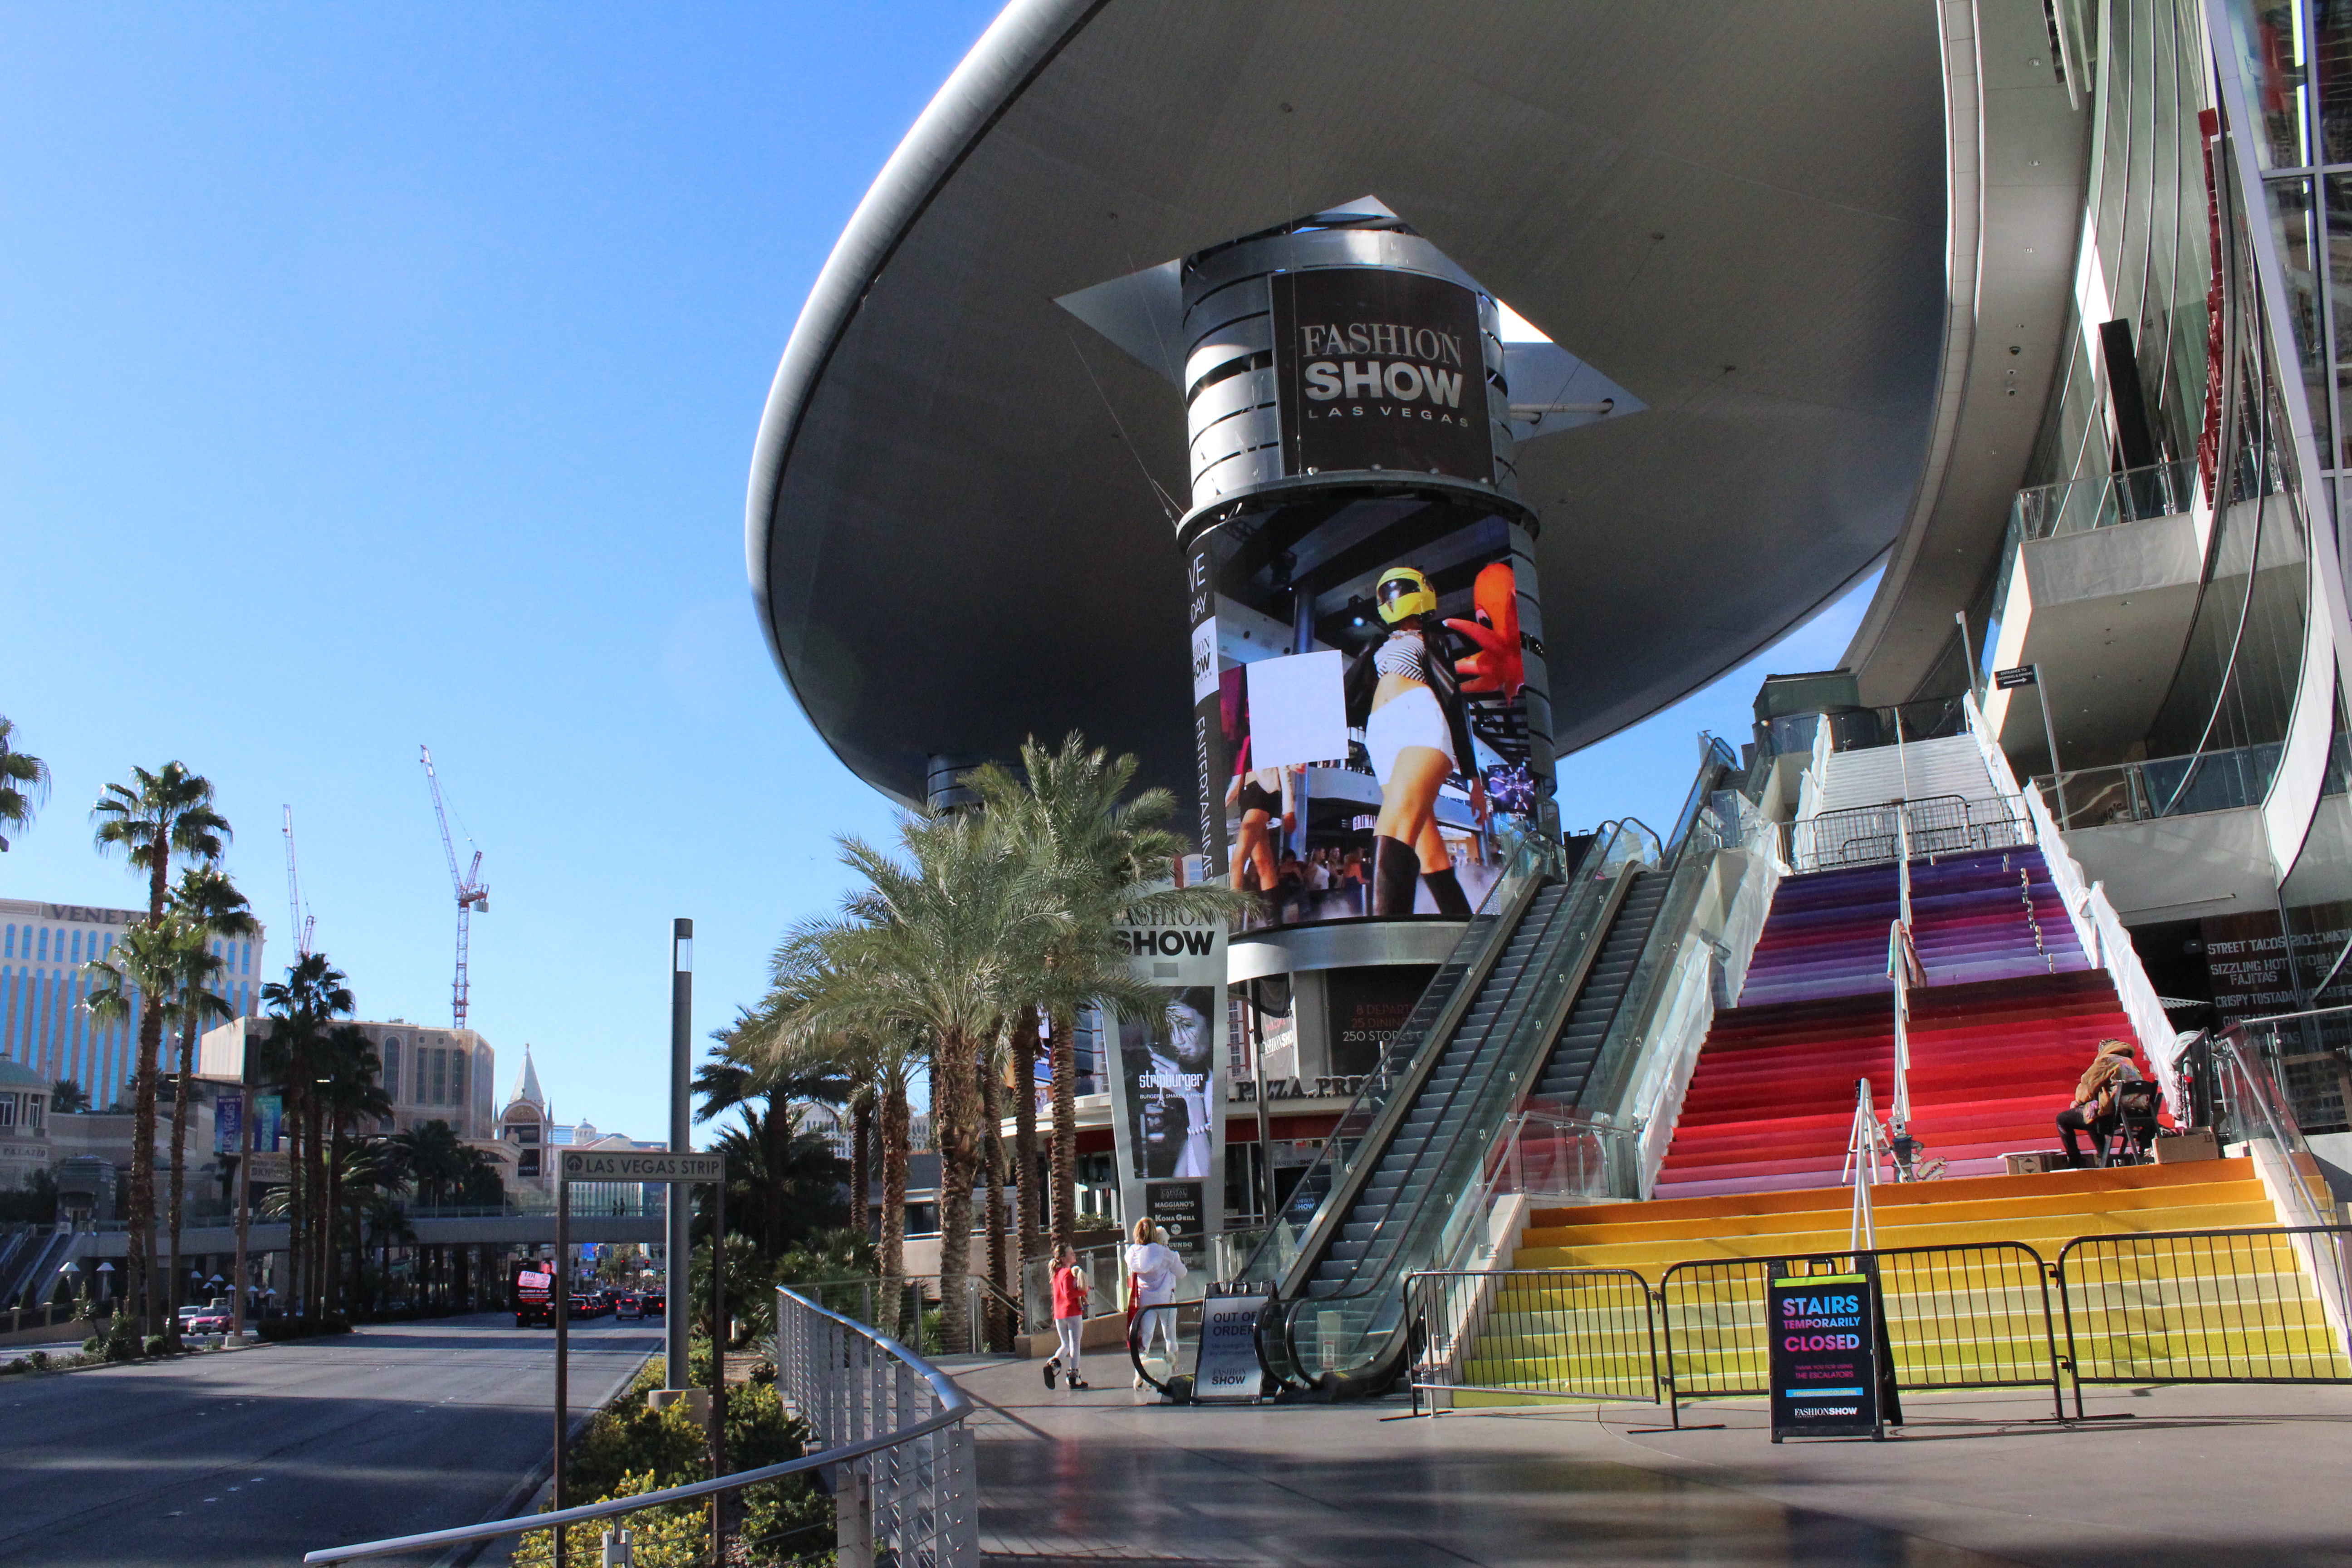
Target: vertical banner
<point>268,1115</point>
<point>228,1123</point>
<point>1168,1085</point>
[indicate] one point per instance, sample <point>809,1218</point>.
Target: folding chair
<point>2131,1130</point>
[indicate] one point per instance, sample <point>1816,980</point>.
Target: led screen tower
<point>1371,708</point>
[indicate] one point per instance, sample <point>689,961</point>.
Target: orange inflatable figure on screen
<point>1496,665</point>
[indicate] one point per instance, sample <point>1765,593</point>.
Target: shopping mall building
<point>1350,411</point>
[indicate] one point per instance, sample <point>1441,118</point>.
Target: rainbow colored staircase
<point>2009,1016</point>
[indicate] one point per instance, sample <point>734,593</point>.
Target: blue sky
<point>386,374</point>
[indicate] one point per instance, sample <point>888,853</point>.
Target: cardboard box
<point>2035,1163</point>
<point>2181,1148</point>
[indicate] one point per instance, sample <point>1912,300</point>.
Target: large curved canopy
<point>959,526</point>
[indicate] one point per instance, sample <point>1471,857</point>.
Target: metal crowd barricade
<point>892,1427</point>
<point>1974,1316</point>
<point>2209,1306</point>
<point>1971,1317</point>
<point>1533,1333</point>
<point>1877,834</point>
<point>1712,1315</point>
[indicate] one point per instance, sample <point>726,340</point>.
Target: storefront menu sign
<point>1380,369</point>
<point>1832,1371</point>
<point>1228,1365</point>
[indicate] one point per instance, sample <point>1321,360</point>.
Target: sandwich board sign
<point>1227,1366</point>
<point>1833,1366</point>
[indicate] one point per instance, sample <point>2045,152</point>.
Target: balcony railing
<point>2078,506</point>
<point>2180,786</point>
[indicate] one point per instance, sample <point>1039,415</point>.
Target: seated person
<point>2093,1111</point>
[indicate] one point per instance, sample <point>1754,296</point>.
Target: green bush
<point>628,1450</point>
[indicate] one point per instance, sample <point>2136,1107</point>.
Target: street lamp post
<point>676,1312</point>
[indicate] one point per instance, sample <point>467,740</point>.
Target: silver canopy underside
<point>960,525</point>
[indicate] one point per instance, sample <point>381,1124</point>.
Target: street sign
<point>1833,1370</point>
<point>599,1166</point>
<point>2023,675</point>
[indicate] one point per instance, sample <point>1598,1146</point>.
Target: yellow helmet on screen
<point>1403,593</point>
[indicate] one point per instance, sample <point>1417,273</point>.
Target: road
<point>258,1456</point>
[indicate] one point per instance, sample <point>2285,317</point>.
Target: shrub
<point>38,1360</point>
<point>628,1450</point>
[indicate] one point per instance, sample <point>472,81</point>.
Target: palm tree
<point>23,782</point>
<point>161,815</point>
<point>732,1080</point>
<point>67,1097</point>
<point>302,1008</point>
<point>205,908</point>
<point>814,1020</point>
<point>140,971</point>
<point>349,1096</point>
<point>1100,856</point>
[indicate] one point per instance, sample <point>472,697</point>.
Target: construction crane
<point>473,893</point>
<point>303,921</point>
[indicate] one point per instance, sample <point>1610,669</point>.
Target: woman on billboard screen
<point>1407,695</point>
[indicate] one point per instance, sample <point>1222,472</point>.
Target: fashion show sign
<point>1832,1368</point>
<point>1377,368</point>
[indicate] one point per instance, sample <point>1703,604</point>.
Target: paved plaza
<point>2192,1475</point>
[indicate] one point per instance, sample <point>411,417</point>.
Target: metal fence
<point>895,1443</point>
<point>2213,1306</point>
<point>1712,1320</point>
<point>2243,1306</point>
<point>1874,835</point>
<point>1546,1333</point>
<point>910,1498</point>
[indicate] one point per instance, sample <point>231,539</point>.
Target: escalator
<point>1540,1001</point>
<point>1564,1075</point>
<point>1387,1196</point>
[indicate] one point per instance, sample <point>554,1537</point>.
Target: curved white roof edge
<point>1018,46</point>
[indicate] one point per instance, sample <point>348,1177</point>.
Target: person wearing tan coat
<point>2093,1111</point>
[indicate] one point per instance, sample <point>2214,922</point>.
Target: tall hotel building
<point>43,1022</point>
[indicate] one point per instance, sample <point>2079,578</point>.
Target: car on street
<point>655,1304</point>
<point>629,1304</point>
<point>207,1321</point>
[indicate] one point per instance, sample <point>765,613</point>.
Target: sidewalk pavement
<point>2254,1472</point>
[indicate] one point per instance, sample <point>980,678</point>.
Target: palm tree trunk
<point>333,1297</point>
<point>180,1152</point>
<point>861,1158</point>
<point>773,1132</point>
<point>1024,1130</point>
<point>142,1259</point>
<point>891,1260</point>
<point>1063,1058</point>
<point>142,1100</point>
<point>955,1127</point>
<point>322,1219</point>
<point>1000,1271</point>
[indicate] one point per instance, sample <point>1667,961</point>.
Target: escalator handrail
<point>1532,1074</point>
<point>1281,1310</point>
<point>1267,1250</point>
<point>1467,1083</point>
<point>1333,1210</point>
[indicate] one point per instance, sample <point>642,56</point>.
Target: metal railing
<point>903,1484</point>
<point>2306,1061</point>
<point>2162,786</point>
<point>2250,1306</point>
<point>1874,835</point>
<point>2134,495</point>
<point>1969,1316</point>
<point>1545,1334</point>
